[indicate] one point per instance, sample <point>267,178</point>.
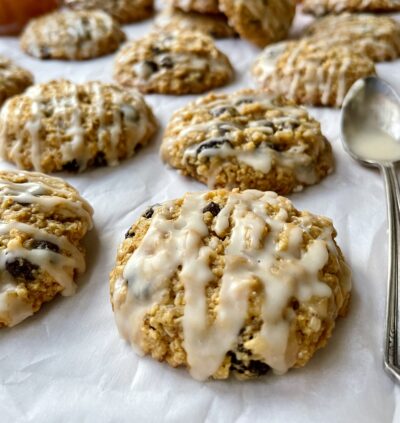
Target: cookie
<point>179,62</point>
<point>377,37</point>
<point>215,25</point>
<point>261,22</point>
<point>13,79</point>
<point>322,7</point>
<point>200,6</point>
<point>247,140</point>
<point>42,221</point>
<point>72,35</point>
<point>60,125</point>
<point>123,11</point>
<point>307,73</point>
<point>229,282</point>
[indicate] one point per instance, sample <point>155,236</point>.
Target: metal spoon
<point>370,126</point>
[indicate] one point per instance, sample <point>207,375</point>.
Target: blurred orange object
<point>14,14</point>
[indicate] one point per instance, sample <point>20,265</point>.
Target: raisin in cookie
<point>247,140</point>
<point>322,7</point>
<point>307,73</point>
<point>179,62</point>
<point>60,125</point>
<point>261,22</point>
<point>72,35</point>
<point>215,25</point>
<point>13,79</point>
<point>200,6</point>
<point>377,37</point>
<point>225,282</point>
<point>42,221</point>
<point>123,11</point>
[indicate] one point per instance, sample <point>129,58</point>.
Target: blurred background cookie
<point>124,11</point>
<point>310,73</point>
<point>247,140</point>
<point>260,22</point>
<point>13,79</point>
<point>179,62</point>
<point>377,37</point>
<point>72,35</point>
<point>215,25</point>
<point>200,6</point>
<point>60,125</point>
<point>229,283</point>
<point>321,7</point>
<point>43,220</point>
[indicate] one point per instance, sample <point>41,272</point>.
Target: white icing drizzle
<point>61,265</point>
<point>180,52</point>
<point>86,32</point>
<point>188,61</point>
<point>130,124</point>
<point>47,197</point>
<point>253,253</point>
<point>264,156</point>
<point>369,35</point>
<point>304,69</point>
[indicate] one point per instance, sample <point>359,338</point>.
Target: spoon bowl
<point>370,122</point>
<point>370,126</point>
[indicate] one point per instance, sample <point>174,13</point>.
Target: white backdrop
<point>68,364</point>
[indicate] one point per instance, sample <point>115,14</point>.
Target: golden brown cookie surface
<point>261,22</point>
<point>199,6</point>
<point>13,79</point>
<point>72,35</point>
<point>178,62</point>
<point>215,25</point>
<point>229,282</point>
<point>42,220</point>
<point>247,140</point>
<point>61,125</point>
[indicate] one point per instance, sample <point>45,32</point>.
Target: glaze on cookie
<point>247,140</point>
<point>60,125</point>
<point>309,72</point>
<point>229,282</point>
<point>377,37</point>
<point>179,62</point>
<point>72,35</point>
<point>42,220</point>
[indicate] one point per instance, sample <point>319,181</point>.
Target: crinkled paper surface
<point>68,363</point>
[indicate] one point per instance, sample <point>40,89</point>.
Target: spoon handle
<point>391,359</point>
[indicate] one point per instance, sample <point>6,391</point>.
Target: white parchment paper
<point>68,363</point>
